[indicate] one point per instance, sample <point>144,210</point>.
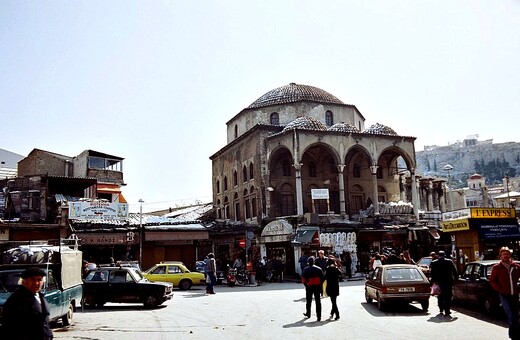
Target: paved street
<point>274,311</point>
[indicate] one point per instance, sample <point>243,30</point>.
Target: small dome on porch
<point>305,123</point>
<point>343,127</point>
<point>380,129</point>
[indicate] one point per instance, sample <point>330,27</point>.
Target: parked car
<point>473,286</point>
<point>199,267</point>
<point>424,263</point>
<point>397,283</point>
<point>176,273</point>
<point>123,284</point>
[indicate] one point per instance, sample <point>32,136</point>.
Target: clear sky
<point>155,82</point>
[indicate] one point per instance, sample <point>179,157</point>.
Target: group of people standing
<point>317,271</point>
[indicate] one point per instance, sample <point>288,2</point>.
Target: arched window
<point>219,210</point>
<point>226,208</point>
<point>244,173</point>
<point>274,119</point>
<point>236,131</point>
<point>329,118</point>
<point>286,168</point>
<point>235,178</point>
<point>236,201</point>
<point>225,183</point>
<point>312,169</point>
<point>251,171</point>
<point>217,186</point>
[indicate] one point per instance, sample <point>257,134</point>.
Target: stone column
<point>373,169</point>
<point>342,206</point>
<point>299,190</point>
<point>415,198</point>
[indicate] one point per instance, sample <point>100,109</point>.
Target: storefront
<point>275,243</point>
<point>306,241</point>
<point>478,233</point>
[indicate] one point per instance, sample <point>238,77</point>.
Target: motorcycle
<point>231,276</point>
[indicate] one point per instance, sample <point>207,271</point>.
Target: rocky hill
<point>493,161</point>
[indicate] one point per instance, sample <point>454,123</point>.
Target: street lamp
<point>141,233</point>
<point>448,168</point>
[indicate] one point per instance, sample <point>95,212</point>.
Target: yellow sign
<point>455,225</point>
<point>492,213</point>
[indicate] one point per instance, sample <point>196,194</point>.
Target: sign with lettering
<point>98,210</point>
<point>455,225</point>
<point>456,215</point>
<point>278,227</point>
<point>104,239</point>
<point>492,213</point>
<point>493,228</point>
<point>320,194</point>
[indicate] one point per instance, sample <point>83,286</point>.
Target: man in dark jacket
<point>443,273</point>
<point>504,278</point>
<point>26,312</point>
<point>312,279</point>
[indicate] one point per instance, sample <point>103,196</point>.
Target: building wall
<point>247,119</point>
<point>40,162</point>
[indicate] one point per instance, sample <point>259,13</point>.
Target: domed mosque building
<point>301,172</point>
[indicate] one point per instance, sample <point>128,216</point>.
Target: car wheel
<point>380,304</point>
<point>425,304</point>
<point>367,297</point>
<point>185,284</point>
<point>67,318</point>
<point>100,303</point>
<point>488,305</point>
<point>151,301</point>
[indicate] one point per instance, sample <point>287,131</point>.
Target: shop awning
<point>108,188</point>
<point>306,236</point>
<point>434,232</point>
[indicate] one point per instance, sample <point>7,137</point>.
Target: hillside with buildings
<point>493,161</point>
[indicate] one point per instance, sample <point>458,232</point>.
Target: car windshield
<point>136,274</point>
<point>9,281</point>
<point>402,274</point>
<point>425,261</point>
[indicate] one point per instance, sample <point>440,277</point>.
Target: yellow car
<point>176,273</point>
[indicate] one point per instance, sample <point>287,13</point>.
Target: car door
<point>473,284</point>
<point>374,282</point>
<point>459,287</point>
<point>53,295</point>
<point>123,287</point>
<point>175,274</point>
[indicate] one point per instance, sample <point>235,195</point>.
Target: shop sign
<point>492,213</point>
<point>103,239</point>
<point>98,210</point>
<point>493,229</point>
<point>279,227</point>
<point>456,225</point>
<point>456,215</point>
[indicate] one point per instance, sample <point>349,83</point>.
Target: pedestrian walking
<point>333,276</point>
<point>503,279</point>
<point>303,261</point>
<point>321,260</point>
<point>443,273</point>
<point>312,279</point>
<point>26,312</point>
<point>211,273</point>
